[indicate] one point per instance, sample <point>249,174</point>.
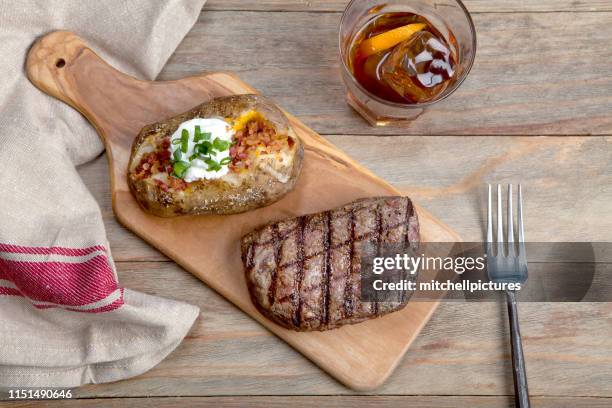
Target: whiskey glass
<point>449,17</point>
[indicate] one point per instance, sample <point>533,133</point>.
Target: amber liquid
<point>421,72</point>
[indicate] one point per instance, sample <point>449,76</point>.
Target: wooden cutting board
<point>361,356</point>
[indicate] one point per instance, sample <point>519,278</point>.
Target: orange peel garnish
<point>389,39</point>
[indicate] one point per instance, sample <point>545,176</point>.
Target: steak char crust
<point>304,272</point>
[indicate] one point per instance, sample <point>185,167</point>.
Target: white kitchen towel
<point>64,318</point>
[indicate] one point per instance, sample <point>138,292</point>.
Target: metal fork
<point>510,266</point>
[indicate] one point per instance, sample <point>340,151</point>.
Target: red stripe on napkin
<point>106,308</point>
<point>82,285</point>
<point>62,283</point>
<point>9,292</point>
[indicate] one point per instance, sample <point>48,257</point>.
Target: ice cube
<point>419,68</point>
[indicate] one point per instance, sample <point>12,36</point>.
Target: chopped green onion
<point>184,140</point>
<point>176,142</point>
<point>199,136</point>
<point>221,145</point>
<point>177,155</point>
<point>203,148</point>
<point>180,167</point>
<point>212,165</point>
<point>225,161</point>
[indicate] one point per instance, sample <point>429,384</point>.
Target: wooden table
<point>536,109</point>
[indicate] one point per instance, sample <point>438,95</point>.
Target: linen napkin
<point>64,318</point>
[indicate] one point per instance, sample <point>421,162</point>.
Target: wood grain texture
<point>360,356</point>
<point>475,6</point>
<point>328,401</point>
<point>535,73</point>
<point>463,350</point>
<point>552,170</point>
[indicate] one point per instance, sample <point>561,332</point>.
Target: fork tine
<point>510,222</point>
<point>489,221</point>
<point>521,229</point>
<point>500,223</point>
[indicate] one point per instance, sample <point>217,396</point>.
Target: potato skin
<point>216,196</point>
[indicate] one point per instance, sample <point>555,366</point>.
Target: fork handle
<point>518,360</point>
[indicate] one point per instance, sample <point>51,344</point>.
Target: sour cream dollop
<point>198,169</point>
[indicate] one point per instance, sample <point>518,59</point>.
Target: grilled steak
<point>304,273</point>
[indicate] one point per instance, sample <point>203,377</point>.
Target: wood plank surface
<point>463,350</point>
<point>567,346</point>
<point>535,73</point>
<point>316,402</point>
<point>447,175</point>
<point>474,6</point>
<point>449,183</point>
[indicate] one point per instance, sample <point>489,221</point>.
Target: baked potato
<point>226,156</point>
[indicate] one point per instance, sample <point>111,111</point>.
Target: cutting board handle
<point>51,64</point>
<point>62,65</point>
<point>47,62</point>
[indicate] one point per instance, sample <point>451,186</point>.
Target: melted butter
<point>240,122</point>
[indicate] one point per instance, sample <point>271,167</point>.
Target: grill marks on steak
<point>304,273</point>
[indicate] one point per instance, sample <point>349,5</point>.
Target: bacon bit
<point>163,155</point>
<point>155,162</point>
<point>257,137</point>
<point>162,185</point>
<point>142,170</point>
<point>177,183</point>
